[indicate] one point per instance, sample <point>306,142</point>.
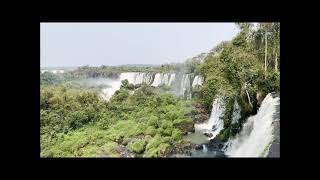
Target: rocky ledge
<point>274,150</point>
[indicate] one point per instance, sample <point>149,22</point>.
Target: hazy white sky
<point>95,44</point>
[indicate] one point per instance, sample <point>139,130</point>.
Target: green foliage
<point>152,131</point>
<point>48,78</point>
<point>137,146</point>
<point>224,134</point>
<point>80,142</point>
<point>62,109</point>
<point>236,68</point>
<point>114,71</point>
<point>271,82</point>
<point>153,121</point>
<point>127,85</point>
<point>75,122</point>
<point>90,151</point>
<point>120,95</point>
<point>110,149</point>
<point>176,135</point>
<point>156,147</point>
<point>76,119</point>
<point>105,120</point>
<point>227,117</point>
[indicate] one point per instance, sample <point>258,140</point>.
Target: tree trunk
<point>245,87</point>
<point>249,99</point>
<point>276,63</point>
<point>265,54</point>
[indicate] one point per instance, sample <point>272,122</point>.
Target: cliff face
<point>274,150</point>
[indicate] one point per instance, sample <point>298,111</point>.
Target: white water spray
<point>236,113</point>
<point>185,85</point>
<point>163,79</point>
<point>168,79</point>
<point>256,135</point>
<point>197,81</point>
<point>205,149</point>
<point>172,79</point>
<point>157,80</point>
<point>215,124</point>
<point>116,84</point>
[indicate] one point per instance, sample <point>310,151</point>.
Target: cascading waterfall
<point>157,80</point>
<point>257,133</point>
<point>116,84</point>
<point>131,76</point>
<point>197,81</point>
<point>148,78</point>
<point>180,85</point>
<point>139,78</point>
<point>215,124</point>
<point>236,113</point>
<point>205,149</point>
<point>162,79</point>
<point>142,78</point>
<point>185,85</point>
<point>54,71</point>
<point>172,79</point>
<point>134,78</point>
<point>165,79</point>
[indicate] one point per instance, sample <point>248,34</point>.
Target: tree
<point>266,52</point>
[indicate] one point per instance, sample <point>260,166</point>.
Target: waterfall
<point>256,134</point>
<point>215,124</point>
<point>139,78</point>
<point>172,78</point>
<point>236,113</point>
<point>148,78</point>
<point>131,76</point>
<point>54,71</point>
<point>180,88</point>
<point>205,149</point>
<point>116,84</point>
<point>157,80</point>
<point>163,79</point>
<point>197,81</point>
<point>185,85</point>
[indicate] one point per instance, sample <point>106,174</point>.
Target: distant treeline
<point>189,66</point>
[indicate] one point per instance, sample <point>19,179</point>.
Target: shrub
<point>154,142</point>
<point>151,131</point>
<point>90,151</point>
<point>110,149</point>
<point>153,121</point>
<point>105,121</point>
<point>176,135</point>
<point>137,146</point>
<point>157,151</point>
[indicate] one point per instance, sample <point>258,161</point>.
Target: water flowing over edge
<point>257,133</point>
<point>168,79</point>
<point>215,124</point>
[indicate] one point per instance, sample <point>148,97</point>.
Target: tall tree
<point>265,51</point>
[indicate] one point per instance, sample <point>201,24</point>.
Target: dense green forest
<point>143,121</point>
<point>78,123</point>
<point>241,69</point>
